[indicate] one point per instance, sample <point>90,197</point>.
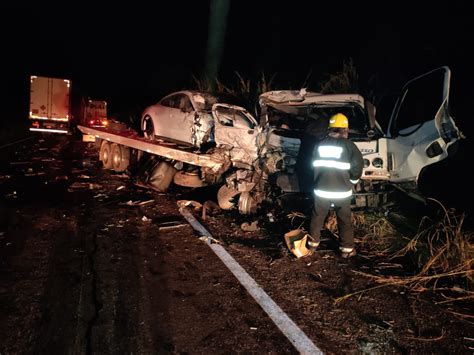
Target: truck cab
<point>95,113</point>
<point>419,134</point>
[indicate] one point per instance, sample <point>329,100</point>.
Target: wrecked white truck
<point>257,160</point>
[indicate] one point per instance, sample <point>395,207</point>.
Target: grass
<point>442,253</point>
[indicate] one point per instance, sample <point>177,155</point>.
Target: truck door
<point>421,128</point>
<point>236,129</point>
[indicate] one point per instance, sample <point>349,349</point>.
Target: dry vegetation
<point>439,257</point>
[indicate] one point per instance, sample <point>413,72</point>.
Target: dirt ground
<point>84,268</point>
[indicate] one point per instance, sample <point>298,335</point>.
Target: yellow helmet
<point>339,121</point>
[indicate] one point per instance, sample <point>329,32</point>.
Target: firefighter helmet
<point>339,121</point>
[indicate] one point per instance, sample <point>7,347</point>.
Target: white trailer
<point>50,104</point>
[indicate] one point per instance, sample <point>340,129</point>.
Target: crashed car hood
<point>289,101</point>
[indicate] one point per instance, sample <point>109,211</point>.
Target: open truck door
<point>420,129</point>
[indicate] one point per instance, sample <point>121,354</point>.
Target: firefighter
<point>337,164</point>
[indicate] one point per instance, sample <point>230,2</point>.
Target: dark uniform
<point>337,164</point>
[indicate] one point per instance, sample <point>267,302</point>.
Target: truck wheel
<point>148,129</point>
<point>247,203</point>
<point>161,176</point>
<point>105,155</point>
<point>120,157</point>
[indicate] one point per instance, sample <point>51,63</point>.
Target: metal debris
<point>186,203</point>
<point>137,203</point>
<point>84,185</point>
<point>171,225</point>
<point>250,227</point>
<point>209,206</point>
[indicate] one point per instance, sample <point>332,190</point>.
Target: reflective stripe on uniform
<point>332,164</point>
<point>330,151</point>
<point>333,194</point>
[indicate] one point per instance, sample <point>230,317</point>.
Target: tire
<point>120,157</point>
<point>148,128</point>
<point>105,155</point>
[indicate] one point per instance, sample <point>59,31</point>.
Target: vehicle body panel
<point>182,116</point>
<point>414,147</point>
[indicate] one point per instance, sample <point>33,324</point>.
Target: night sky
<point>133,55</point>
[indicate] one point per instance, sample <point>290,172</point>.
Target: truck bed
<point>130,138</point>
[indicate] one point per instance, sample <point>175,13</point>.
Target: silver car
<point>183,117</point>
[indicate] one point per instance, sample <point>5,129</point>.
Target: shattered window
<point>185,104</point>
<point>204,102</point>
<point>171,101</point>
<point>233,118</point>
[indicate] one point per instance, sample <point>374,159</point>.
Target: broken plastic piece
<point>296,242</point>
<point>249,227</point>
<point>185,203</point>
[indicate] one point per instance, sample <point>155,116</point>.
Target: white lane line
<point>289,328</point>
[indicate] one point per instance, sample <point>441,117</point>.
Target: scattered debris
<point>120,188</point>
<point>4,177</point>
<point>146,219</point>
<point>137,203</point>
<point>120,176</point>
<point>100,195</point>
<point>36,174</point>
<point>209,206</point>
<point>84,185</point>
<point>171,225</point>
<point>61,178</point>
<point>185,203</point>
<point>82,176</point>
<point>13,195</point>
<point>296,242</point>
<point>250,227</point>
